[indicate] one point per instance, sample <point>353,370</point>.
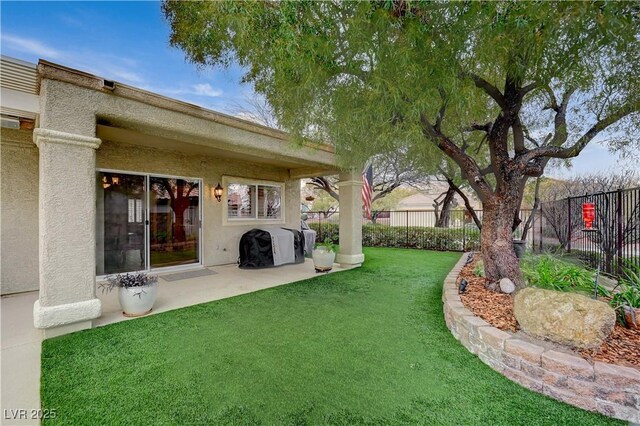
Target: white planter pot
<point>323,259</point>
<point>137,301</point>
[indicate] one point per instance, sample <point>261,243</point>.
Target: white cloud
<point>205,89</point>
<point>108,66</point>
<point>187,93</point>
<point>30,46</point>
<point>125,75</point>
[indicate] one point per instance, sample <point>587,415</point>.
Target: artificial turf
<point>365,346</point>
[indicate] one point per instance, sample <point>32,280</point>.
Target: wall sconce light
<point>217,192</point>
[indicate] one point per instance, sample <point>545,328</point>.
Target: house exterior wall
<point>19,212</point>
<point>19,200</point>
<point>220,242</point>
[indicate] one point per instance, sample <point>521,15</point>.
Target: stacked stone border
<point>612,390</point>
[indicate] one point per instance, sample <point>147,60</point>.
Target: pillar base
<point>350,260</point>
<point>68,313</point>
<point>48,333</point>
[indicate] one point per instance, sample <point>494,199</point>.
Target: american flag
<point>367,190</point>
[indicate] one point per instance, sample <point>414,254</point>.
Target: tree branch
<point>489,89</point>
<point>580,144</point>
<point>518,137</point>
<point>528,88</point>
<point>323,183</point>
<point>467,203</point>
<point>467,164</point>
<point>560,120</point>
<point>480,127</point>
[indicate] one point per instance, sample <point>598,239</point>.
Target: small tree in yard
<point>536,81</point>
<point>556,209</point>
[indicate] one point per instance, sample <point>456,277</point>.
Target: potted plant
<point>324,255</point>
<point>626,302</point>
<point>136,291</point>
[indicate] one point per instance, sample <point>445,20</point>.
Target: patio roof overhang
<point>128,114</point>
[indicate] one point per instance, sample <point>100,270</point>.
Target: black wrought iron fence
<point>615,241</point>
<point>410,229</point>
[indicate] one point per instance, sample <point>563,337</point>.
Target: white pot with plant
<point>137,292</point>
<point>324,255</point>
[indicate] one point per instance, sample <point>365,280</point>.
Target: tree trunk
<point>178,226</point>
<point>445,216</point>
<point>498,255</point>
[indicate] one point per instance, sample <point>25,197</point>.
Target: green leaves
<point>359,74</point>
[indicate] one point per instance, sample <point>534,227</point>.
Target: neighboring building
<point>98,177</point>
<point>420,208</point>
<point>424,200</point>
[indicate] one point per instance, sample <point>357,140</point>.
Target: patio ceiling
<point>209,147</point>
<point>127,114</point>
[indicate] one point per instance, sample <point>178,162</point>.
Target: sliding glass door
<point>174,221</point>
<point>145,222</point>
<point>120,224</point>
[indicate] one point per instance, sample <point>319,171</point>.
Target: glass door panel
<point>120,223</point>
<point>174,221</point>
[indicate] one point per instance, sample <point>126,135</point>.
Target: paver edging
<point>612,390</point>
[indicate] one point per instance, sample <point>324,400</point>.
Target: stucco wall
<point>220,242</point>
<point>18,212</point>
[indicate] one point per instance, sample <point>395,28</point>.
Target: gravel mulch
<point>622,347</point>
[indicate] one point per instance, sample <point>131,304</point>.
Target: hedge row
<point>407,237</point>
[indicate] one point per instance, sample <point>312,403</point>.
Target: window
<point>254,200</point>
<point>135,210</point>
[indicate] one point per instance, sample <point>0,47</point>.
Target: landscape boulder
<point>566,318</point>
<point>507,286</point>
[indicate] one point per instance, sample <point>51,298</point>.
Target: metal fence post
<point>464,235</point>
<point>569,225</point>
<point>620,231</point>
<point>533,231</point>
<point>541,219</point>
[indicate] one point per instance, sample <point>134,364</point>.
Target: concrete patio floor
<point>21,342</point>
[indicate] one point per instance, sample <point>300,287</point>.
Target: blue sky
<point>129,42</point>
<point>123,41</point>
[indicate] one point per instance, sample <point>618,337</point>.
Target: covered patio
<point>92,135</point>
<point>76,126</point>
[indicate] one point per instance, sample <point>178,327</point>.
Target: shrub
<point>629,294</point>
<point>376,235</point>
<point>547,271</point>
<point>478,270</point>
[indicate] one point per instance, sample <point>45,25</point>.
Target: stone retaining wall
<point>609,389</point>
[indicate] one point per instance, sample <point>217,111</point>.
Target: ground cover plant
<point>365,346</point>
<point>550,272</point>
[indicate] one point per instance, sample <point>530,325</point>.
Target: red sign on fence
<point>588,214</point>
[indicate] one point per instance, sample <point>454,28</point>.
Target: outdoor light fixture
<point>469,259</point>
<point>463,286</point>
<point>217,192</point>
<point>107,181</point>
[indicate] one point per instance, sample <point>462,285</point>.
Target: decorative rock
<point>567,318</point>
<point>507,286</point>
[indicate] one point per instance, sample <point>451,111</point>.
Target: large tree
<point>391,170</point>
<point>539,80</point>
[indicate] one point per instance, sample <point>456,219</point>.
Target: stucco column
<point>350,253</point>
<point>67,215</point>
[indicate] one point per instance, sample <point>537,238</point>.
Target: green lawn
<point>366,346</point>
